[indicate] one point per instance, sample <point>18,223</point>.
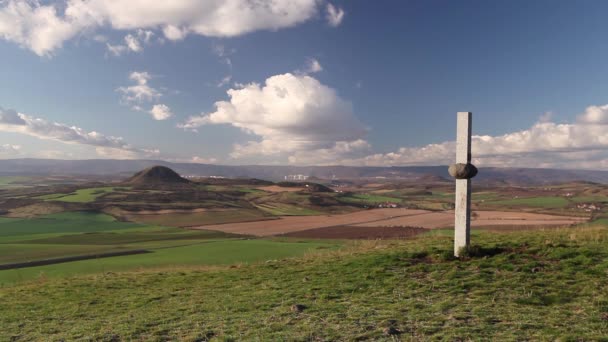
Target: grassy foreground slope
<point>532,285</point>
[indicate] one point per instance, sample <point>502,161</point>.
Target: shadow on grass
<point>474,252</point>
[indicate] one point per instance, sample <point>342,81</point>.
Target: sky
<point>305,82</point>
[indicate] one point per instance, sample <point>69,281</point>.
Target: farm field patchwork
<point>391,217</point>
<point>73,234</point>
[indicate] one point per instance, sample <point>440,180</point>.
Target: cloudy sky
<point>305,81</point>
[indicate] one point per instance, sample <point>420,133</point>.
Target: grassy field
<point>543,285</point>
<point>68,222</point>
<point>540,202</point>
<point>81,195</point>
<point>282,209</point>
<point>86,233</point>
<point>11,181</point>
<point>190,252</point>
<point>364,198</point>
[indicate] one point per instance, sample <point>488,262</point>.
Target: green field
<point>589,199</point>
<point>68,222</point>
<point>549,285</point>
<point>194,253</point>
<point>80,195</point>
<point>362,198</point>
<point>281,209</point>
<point>540,202</point>
<point>11,181</point>
<point>86,233</point>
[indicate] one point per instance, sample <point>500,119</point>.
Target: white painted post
<point>462,210</point>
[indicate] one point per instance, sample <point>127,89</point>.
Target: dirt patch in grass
<point>353,232</point>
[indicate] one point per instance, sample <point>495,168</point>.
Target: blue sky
<point>305,82</point>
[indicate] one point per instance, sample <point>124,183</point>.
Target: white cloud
<point>141,91</point>
<point>161,112</point>
<point>142,94</point>
<point>11,121</point>
<point>132,42</point>
<point>174,33</point>
<point>595,115</point>
<point>583,144</point>
<point>312,66</point>
<point>334,15</point>
<point>34,26</point>
<point>290,115</point>
<point>44,27</point>
<point>10,151</point>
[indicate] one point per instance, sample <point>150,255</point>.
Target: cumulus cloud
<point>36,27</point>
<point>545,144</point>
<point>161,112</point>
<point>334,15</point>
<point>141,91</point>
<point>44,27</point>
<point>174,33</point>
<point>291,115</point>
<point>594,115</point>
<point>14,122</point>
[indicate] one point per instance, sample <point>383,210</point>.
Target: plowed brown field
<point>389,218</point>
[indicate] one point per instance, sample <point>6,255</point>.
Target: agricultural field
<point>191,218</point>
<point>81,195</point>
<point>73,234</point>
<point>88,227</point>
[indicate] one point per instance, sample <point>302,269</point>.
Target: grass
<point>540,202</point>
<point>81,195</point>
<point>368,199</point>
<point>202,252</point>
<point>12,181</point>
<point>68,222</point>
<point>589,199</point>
<point>282,209</point>
<point>88,233</point>
<point>542,285</point>
<point>65,234</point>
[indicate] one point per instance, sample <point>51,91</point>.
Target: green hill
<point>544,285</point>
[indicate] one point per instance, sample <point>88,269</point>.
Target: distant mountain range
<point>124,168</point>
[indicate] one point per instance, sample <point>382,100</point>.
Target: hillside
<point>543,285</point>
<point>156,175</point>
